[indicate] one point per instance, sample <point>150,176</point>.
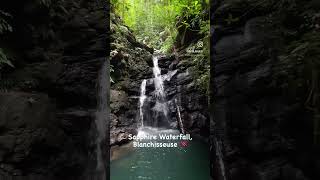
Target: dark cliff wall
<point>261,87</point>
<point>48,100</point>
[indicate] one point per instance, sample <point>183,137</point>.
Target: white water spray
<point>158,81</point>
<point>142,98</point>
<point>161,105</point>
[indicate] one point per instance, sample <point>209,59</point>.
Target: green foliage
<point>201,68</point>
<point>167,45</point>
<point>154,22</point>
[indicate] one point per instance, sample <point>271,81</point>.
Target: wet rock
<point>78,82</point>
<point>18,110</point>
<point>30,125</point>
<point>290,172</point>
<point>195,120</point>
<point>78,22</point>
<point>38,76</point>
<point>120,136</point>
<point>165,61</point>
<point>183,78</point>
<point>75,122</point>
<point>7,143</point>
<point>118,100</point>
<point>230,46</point>
<point>95,18</point>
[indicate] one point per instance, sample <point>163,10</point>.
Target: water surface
<point>182,163</point>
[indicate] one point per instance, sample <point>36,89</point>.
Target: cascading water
<point>142,98</point>
<point>158,81</point>
<point>161,104</point>
<point>100,120</point>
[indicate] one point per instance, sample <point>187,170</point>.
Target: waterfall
<point>158,81</point>
<point>142,98</point>
<point>161,105</point>
<point>101,118</point>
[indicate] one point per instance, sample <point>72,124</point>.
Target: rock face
<point>48,100</point>
<point>262,121</point>
<point>181,91</point>
<point>130,62</point>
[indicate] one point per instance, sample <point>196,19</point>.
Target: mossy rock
<point>118,99</point>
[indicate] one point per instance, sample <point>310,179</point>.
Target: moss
<point>201,67</point>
